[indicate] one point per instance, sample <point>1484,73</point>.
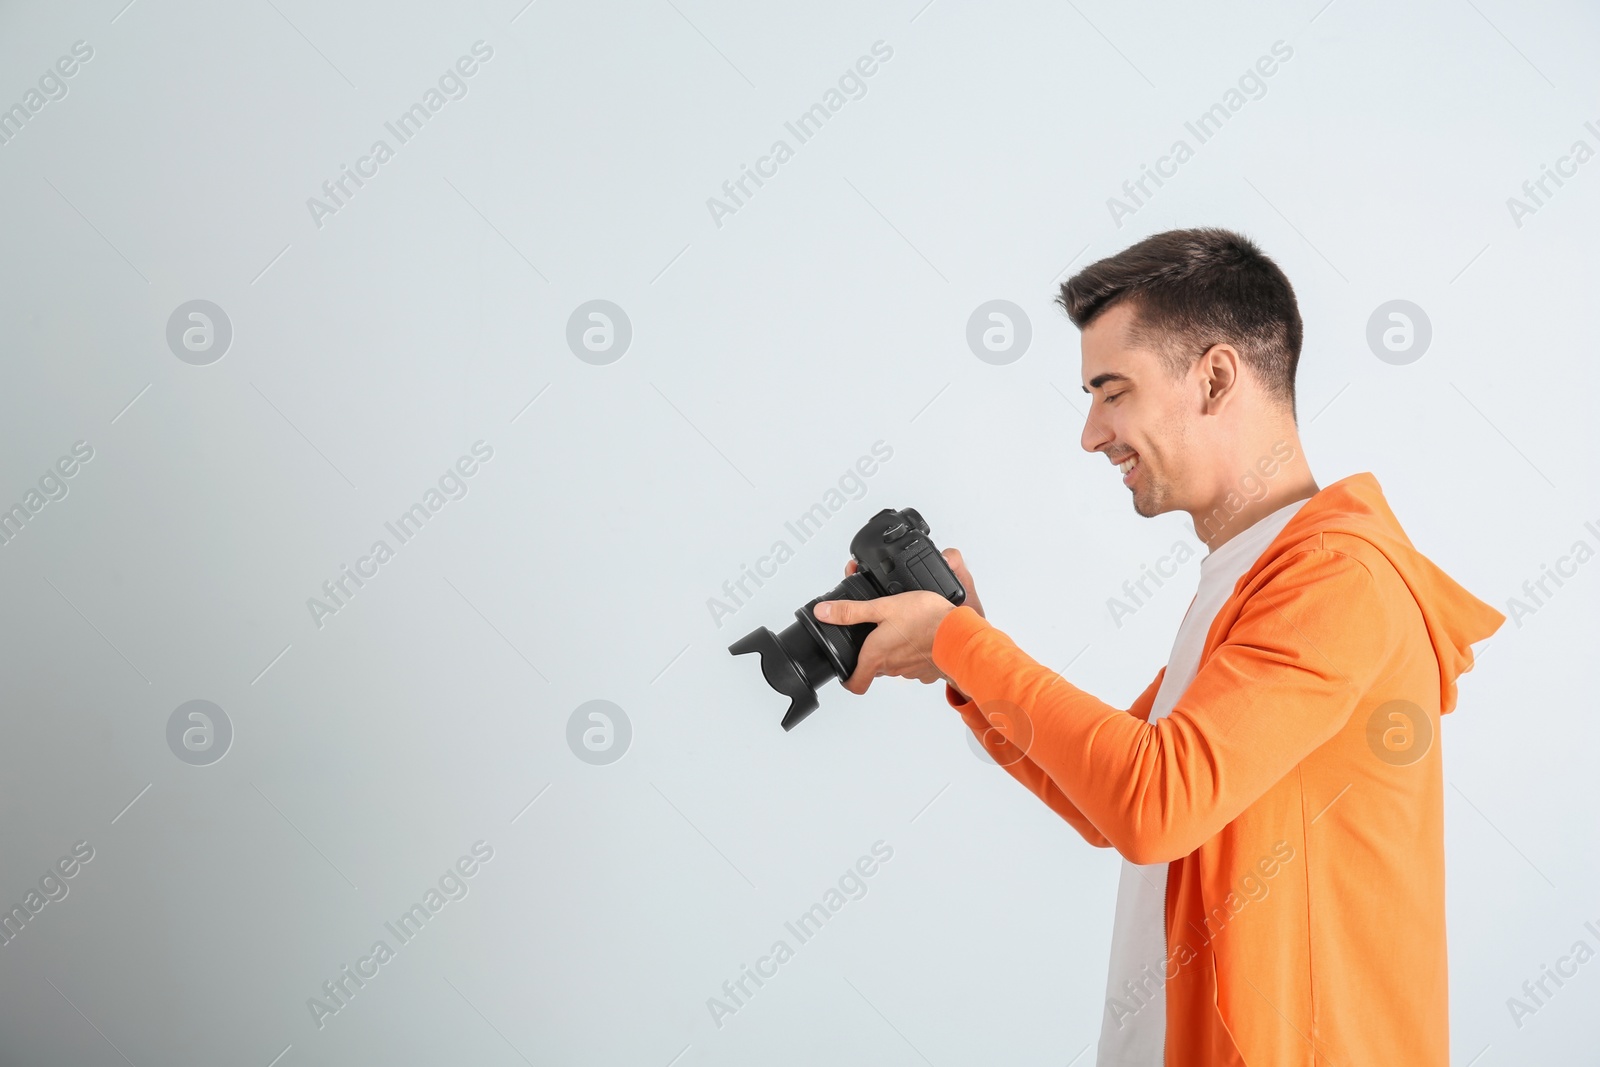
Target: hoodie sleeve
<point>1030,774</point>
<point>1307,645</point>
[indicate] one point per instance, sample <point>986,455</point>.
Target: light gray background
<point>767,355</point>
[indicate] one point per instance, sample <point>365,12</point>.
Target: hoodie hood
<point>1456,619</point>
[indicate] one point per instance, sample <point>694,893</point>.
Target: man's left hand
<point>901,646</point>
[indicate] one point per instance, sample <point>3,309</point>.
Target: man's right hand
<point>957,564</point>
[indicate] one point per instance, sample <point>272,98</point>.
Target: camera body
<point>893,554</point>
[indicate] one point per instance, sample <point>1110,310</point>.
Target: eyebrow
<point>1109,376</point>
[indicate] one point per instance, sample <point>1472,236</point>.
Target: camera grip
<point>928,570</point>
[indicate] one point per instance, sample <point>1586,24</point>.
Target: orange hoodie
<point>1295,790</point>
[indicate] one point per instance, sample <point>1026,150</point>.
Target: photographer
<point>1293,731</point>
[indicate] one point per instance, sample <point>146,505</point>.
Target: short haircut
<point>1191,289</point>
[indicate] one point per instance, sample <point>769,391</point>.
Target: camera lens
<point>807,652</point>
<point>892,554</point>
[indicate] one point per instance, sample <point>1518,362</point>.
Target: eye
<point>1112,396</point>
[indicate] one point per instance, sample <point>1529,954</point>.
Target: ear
<point>1221,371</point>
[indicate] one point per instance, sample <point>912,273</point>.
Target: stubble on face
<point>1152,493</point>
<point>1147,501</point>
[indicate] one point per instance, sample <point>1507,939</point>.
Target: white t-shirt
<point>1134,1030</point>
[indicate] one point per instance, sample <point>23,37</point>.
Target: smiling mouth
<point>1127,467</point>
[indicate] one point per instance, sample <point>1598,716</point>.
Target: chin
<point>1150,504</point>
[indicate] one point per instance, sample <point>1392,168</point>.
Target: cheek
<point>1122,425</point>
<point>1170,439</point>
<point>1141,433</point>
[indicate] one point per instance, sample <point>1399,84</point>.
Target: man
<point>1276,791</point>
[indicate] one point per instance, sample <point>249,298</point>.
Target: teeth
<point>1128,464</point>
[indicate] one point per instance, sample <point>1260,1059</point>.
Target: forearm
<point>1261,702</point>
<point>1066,732</point>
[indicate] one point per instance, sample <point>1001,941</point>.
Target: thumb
<point>959,566</point>
<point>848,612</point>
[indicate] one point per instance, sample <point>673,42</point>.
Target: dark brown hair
<point>1191,289</point>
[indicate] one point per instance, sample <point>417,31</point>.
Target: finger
<point>869,665</point>
<point>903,659</point>
<point>848,612</point>
<point>850,567</point>
<point>858,682</point>
<point>958,567</point>
<point>953,557</point>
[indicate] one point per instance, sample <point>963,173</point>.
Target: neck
<point>1275,461</point>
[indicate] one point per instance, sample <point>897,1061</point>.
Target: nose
<point>1095,436</point>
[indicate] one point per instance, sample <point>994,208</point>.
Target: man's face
<point>1137,412</point>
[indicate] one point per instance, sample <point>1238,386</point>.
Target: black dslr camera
<point>894,556</point>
